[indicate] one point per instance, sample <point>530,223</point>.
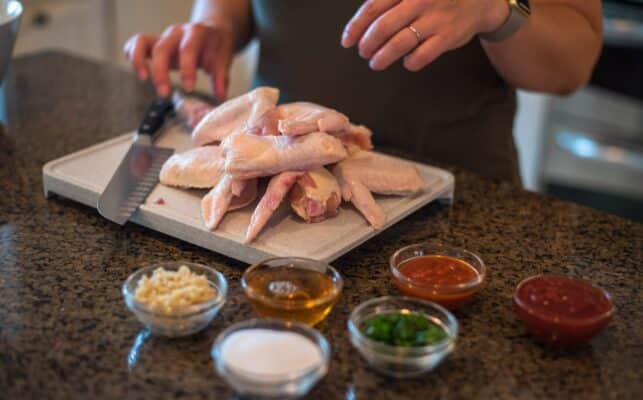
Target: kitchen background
<point>586,148</point>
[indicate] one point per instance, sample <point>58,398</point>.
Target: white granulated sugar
<point>270,355</point>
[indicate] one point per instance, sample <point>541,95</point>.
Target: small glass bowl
<point>185,321</point>
<point>401,361</point>
<point>557,330</point>
<point>278,288</point>
<point>453,296</point>
<point>257,386</point>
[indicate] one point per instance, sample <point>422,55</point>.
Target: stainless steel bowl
<point>10,13</point>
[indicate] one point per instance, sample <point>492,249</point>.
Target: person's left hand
<point>381,28</point>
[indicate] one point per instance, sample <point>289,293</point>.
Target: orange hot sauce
<point>445,280</point>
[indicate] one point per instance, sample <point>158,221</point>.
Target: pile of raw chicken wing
<point>311,155</point>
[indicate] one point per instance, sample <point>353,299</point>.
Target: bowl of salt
<point>268,358</point>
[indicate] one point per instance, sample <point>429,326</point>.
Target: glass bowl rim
<point>282,326</point>
<point>221,287</point>
<point>452,330</point>
<point>441,288</point>
<point>562,320</point>
<point>338,285</point>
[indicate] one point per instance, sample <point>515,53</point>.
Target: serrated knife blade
<point>138,172</point>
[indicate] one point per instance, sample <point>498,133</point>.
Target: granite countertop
<point>65,332</point>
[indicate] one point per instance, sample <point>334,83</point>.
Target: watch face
<point>524,6</point>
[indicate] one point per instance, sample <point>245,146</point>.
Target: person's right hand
<point>188,47</point>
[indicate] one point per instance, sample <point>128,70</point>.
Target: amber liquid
<point>292,294</point>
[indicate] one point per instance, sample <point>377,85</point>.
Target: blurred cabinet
<point>77,26</point>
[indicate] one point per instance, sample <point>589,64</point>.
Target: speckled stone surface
<point>65,332</point>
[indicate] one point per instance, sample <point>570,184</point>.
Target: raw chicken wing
<point>222,199</point>
<point>251,156</point>
<point>366,172</point>
<point>235,115</point>
<point>267,125</point>
<point>200,167</point>
<point>301,118</point>
<point>190,109</point>
<point>277,189</point>
<point>355,138</point>
<point>316,196</point>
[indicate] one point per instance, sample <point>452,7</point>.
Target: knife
<point>138,172</point>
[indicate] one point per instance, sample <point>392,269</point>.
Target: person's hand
<point>381,30</point>
<point>188,47</point>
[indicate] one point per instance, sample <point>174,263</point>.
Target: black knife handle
<point>155,116</point>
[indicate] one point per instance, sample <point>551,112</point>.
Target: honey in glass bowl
<point>292,289</point>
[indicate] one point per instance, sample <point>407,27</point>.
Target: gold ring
<point>416,33</point>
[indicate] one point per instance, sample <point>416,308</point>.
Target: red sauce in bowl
<point>438,270</point>
<point>560,310</point>
<point>448,281</point>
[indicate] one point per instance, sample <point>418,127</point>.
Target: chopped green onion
<point>405,330</point>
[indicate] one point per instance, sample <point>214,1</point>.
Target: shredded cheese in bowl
<point>167,292</point>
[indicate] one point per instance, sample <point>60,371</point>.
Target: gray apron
<point>456,111</point>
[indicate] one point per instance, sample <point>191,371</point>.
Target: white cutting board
<point>83,175</point>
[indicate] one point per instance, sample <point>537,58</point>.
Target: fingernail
<point>346,42</point>
<point>142,75</point>
<point>408,64</point>
<point>163,90</point>
<point>188,85</point>
<point>374,65</point>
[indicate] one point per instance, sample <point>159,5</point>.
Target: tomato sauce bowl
<point>562,311</point>
<point>446,275</point>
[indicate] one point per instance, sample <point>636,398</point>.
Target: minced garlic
<point>168,291</point>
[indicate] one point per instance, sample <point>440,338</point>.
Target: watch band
<point>518,14</point>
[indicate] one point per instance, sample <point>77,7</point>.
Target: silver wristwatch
<point>518,14</point>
